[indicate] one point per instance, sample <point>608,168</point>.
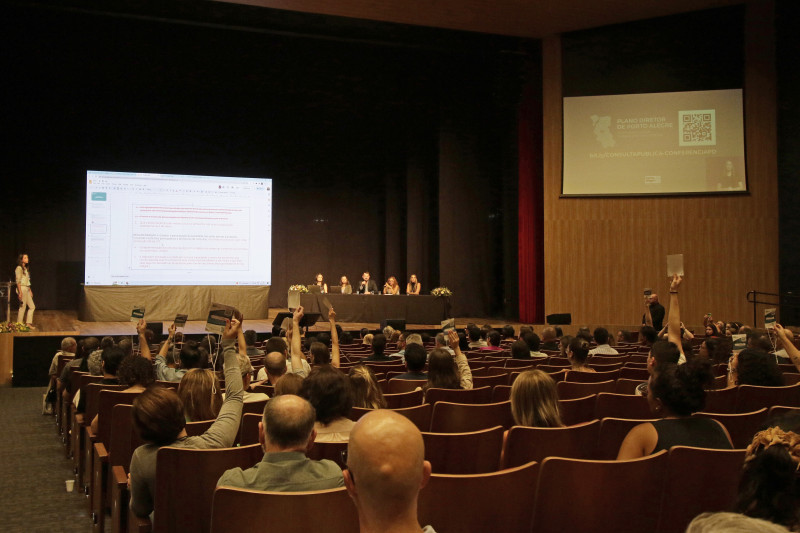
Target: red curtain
<point>530,231</point>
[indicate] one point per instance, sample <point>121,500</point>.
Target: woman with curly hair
<point>770,484</point>
<point>200,392</point>
<point>366,392</point>
<point>674,393</point>
<point>754,367</point>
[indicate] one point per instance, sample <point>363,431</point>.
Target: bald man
<point>286,433</point>
<point>386,468</point>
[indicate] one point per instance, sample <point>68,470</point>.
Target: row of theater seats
<point>104,463</point>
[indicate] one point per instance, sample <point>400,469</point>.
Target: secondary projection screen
<point>656,143</point>
<point>168,229</point>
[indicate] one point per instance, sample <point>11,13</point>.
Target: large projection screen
<point>168,229</point>
<point>656,143</point>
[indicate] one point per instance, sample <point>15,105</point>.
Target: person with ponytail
<point>674,393</point>
<point>578,353</point>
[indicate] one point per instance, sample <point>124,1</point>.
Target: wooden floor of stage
<point>66,323</point>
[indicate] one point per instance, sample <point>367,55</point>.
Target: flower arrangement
<point>13,327</point>
<point>442,291</point>
<point>298,288</point>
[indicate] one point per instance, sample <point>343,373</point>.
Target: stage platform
<point>25,357</point>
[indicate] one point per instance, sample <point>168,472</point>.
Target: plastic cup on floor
<point>70,485</point>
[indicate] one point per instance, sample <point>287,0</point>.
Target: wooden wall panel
<point>600,253</point>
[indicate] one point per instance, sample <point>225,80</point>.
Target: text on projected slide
<point>167,229</point>
<point>169,237</point>
<point>660,143</point>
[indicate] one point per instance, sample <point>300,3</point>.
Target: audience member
<point>724,522</point>
<point>288,384</point>
<point>534,400</point>
<point>508,332</point>
<point>79,363</point>
<point>662,354</point>
<point>647,336</point>
<point>279,346</point>
<point>493,342</point>
<point>200,394</point>
<point>286,433</point>
<point>365,389</point>
<point>770,485</point>
<point>440,341</point>
<point>416,357</point>
<point>247,376</point>
<point>787,338</point>
<point>446,371</point>
<point>578,353</point>
<point>520,350</point>
<point>563,345</point>
<point>95,361</point>
<point>68,348</point>
<point>378,347</point>
<point>674,394</point>
<point>386,468</point>
<point>754,367</point>
<point>533,342</point>
<point>274,367</point>
<point>603,348</point>
<point>136,373</point>
<point>250,337</point>
<point>653,312</point>
<point>549,340</point>
<point>190,355</point>
<point>329,391</point>
<point>158,419</point>
<point>475,339</point>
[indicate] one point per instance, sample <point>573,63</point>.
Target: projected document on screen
<point>166,229</point>
<point>656,143</point>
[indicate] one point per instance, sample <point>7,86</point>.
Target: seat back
<point>334,451</point>
<point>639,374</point>
<point>489,381</point>
<point>741,427</point>
<point>698,480</point>
<point>480,502</point>
<point>199,427</point>
<point>751,397</point>
<point>605,489</point>
<point>123,438</point>
<point>403,399</point>
<point>242,511</point>
<point>569,389</point>
<point>525,444</point>
<point>778,410</point>
<point>106,401</point>
<point>405,385</point>
<point>185,483</point>
<point>248,433</point>
<point>721,401</point>
<point>460,417</point>
<point>626,386</point>
<point>622,406</point>
<point>501,393</point>
<point>254,407</point>
<point>600,359</point>
<point>479,395</point>
<point>92,392</point>
<point>612,432</point>
<point>475,452</point>
<point>577,410</point>
<point>591,377</point>
<point>420,415</point>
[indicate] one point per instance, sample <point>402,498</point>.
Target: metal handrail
<point>786,299</point>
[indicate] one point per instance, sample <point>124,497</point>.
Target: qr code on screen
<point>697,127</point>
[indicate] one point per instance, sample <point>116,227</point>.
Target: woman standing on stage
<point>321,284</point>
<point>413,286</point>
<point>23,275</point>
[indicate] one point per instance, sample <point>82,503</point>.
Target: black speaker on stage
<point>561,319</point>
<point>397,323</point>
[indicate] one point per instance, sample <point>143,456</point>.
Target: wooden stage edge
<point>65,323</point>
